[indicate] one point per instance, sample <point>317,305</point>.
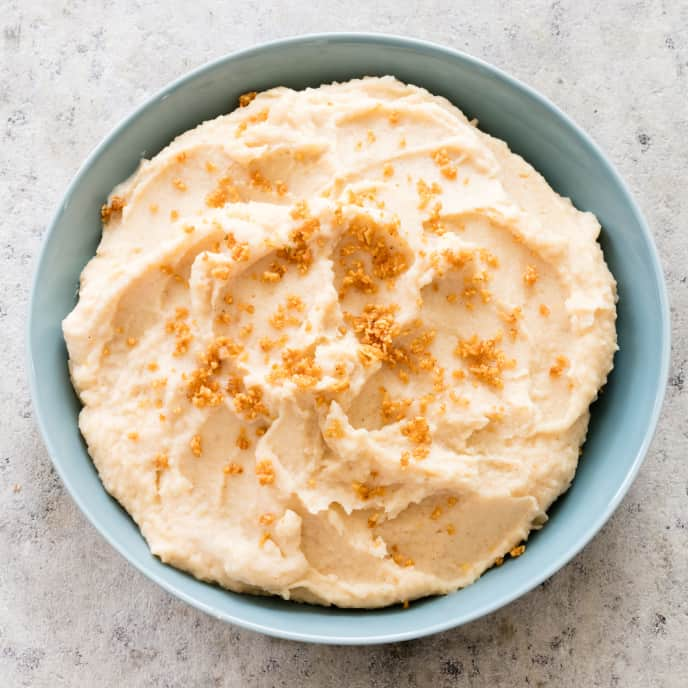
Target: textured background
<point>74,613</point>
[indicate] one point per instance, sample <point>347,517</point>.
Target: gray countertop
<point>74,613</point>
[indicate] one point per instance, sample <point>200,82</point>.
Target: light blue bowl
<point>623,420</point>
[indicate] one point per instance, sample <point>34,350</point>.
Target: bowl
<point>623,419</point>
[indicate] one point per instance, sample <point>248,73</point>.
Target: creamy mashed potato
<point>339,346</point>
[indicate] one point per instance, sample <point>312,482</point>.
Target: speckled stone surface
<point>74,613</point>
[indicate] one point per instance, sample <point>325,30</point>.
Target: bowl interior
<point>622,420</point>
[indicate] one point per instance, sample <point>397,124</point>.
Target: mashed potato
<point>339,346</point>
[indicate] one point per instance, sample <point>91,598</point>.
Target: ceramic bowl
<point>623,420</point>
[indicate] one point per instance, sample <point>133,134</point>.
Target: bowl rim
<point>456,619</point>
